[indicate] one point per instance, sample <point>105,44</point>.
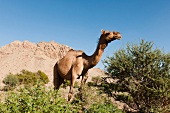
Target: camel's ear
<point>103,31</point>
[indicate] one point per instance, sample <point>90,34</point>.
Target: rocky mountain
<point>18,55</point>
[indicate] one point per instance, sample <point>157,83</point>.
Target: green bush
<point>42,76</point>
<point>30,78</point>
<point>103,108</point>
<point>8,88</point>
<point>10,81</point>
<point>91,100</point>
<point>143,73</point>
<point>36,100</point>
<point>96,80</point>
<point>125,98</point>
<point>68,83</point>
<point>27,77</point>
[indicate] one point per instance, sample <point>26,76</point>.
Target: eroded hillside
<point>18,55</point>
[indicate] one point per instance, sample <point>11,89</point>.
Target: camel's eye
<point>114,33</point>
<point>107,33</point>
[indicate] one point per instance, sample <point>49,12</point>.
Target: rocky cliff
<point>18,55</point>
<point>30,56</point>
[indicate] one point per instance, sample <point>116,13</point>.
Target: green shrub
<point>77,84</point>
<point>11,80</point>
<point>103,108</point>
<point>96,80</point>
<point>36,100</point>
<point>42,76</point>
<point>90,100</point>
<point>144,73</point>
<point>8,88</point>
<point>30,78</point>
<point>68,83</point>
<point>125,98</point>
<point>27,77</point>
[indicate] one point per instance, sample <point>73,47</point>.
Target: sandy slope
<point>18,55</point>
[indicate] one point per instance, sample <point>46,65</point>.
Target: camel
<point>76,63</point>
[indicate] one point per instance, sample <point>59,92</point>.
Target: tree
<point>10,81</point>
<point>144,74</point>
<point>42,76</point>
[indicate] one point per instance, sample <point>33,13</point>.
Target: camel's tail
<point>57,80</point>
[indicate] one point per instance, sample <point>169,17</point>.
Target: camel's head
<point>108,36</point>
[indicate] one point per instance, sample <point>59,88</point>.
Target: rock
<point>28,45</point>
<point>18,55</point>
<point>16,43</point>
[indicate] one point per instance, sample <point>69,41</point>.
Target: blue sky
<point>77,23</point>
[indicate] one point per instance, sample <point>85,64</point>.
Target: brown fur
<point>76,63</point>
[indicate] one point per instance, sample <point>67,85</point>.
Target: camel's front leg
<point>76,71</point>
<point>84,79</point>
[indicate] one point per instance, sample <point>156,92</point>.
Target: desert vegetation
<point>138,76</point>
<point>40,99</point>
<point>33,96</point>
<point>143,77</point>
<point>26,78</point>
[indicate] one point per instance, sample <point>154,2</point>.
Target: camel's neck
<point>95,58</point>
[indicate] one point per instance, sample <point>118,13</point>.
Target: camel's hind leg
<point>57,79</point>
